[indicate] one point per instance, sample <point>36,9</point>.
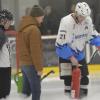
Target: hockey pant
<point>66,71</point>
<point>5,82</point>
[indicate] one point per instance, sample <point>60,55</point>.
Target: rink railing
<point>88,50</point>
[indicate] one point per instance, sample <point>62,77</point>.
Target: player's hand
<point>74,61</point>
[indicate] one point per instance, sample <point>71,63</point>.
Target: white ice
<point>53,89</point>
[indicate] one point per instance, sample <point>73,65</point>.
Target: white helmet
<point>83,9</point>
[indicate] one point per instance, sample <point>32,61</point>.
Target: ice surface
<point>53,89</point>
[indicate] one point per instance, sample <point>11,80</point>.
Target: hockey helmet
<point>6,15</point>
<point>83,9</point>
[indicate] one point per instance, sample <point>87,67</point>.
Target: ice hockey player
<point>74,31</point>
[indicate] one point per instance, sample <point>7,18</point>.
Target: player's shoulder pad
<point>88,20</point>
<point>67,21</point>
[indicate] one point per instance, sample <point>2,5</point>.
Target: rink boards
<point>93,70</point>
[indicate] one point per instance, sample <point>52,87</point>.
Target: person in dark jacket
<point>95,6</point>
<point>30,52</point>
<point>51,21</point>
<point>5,69</point>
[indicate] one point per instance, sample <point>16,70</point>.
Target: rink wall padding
<point>93,69</point>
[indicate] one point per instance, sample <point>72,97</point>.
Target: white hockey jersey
<point>73,34</point>
<point>4,57</point>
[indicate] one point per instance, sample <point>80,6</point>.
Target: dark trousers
<point>5,81</point>
<point>31,82</point>
<point>84,73</point>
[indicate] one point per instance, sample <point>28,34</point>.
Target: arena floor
<point>53,89</point>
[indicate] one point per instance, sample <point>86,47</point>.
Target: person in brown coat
<point>30,52</point>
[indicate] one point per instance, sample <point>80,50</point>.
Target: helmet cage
<point>83,9</point>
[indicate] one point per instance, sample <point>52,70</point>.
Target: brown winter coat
<point>29,43</point>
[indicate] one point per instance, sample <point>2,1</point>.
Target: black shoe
<point>67,91</point>
<point>83,93</point>
<point>3,97</point>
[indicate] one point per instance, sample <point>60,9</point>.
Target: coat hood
<point>27,21</point>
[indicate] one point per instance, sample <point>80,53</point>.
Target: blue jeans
<point>31,82</point>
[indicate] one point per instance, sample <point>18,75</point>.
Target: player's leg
<point>26,86</point>
<point>5,82</point>
<point>84,78</point>
<point>65,73</point>
<point>33,80</point>
<point>67,83</point>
